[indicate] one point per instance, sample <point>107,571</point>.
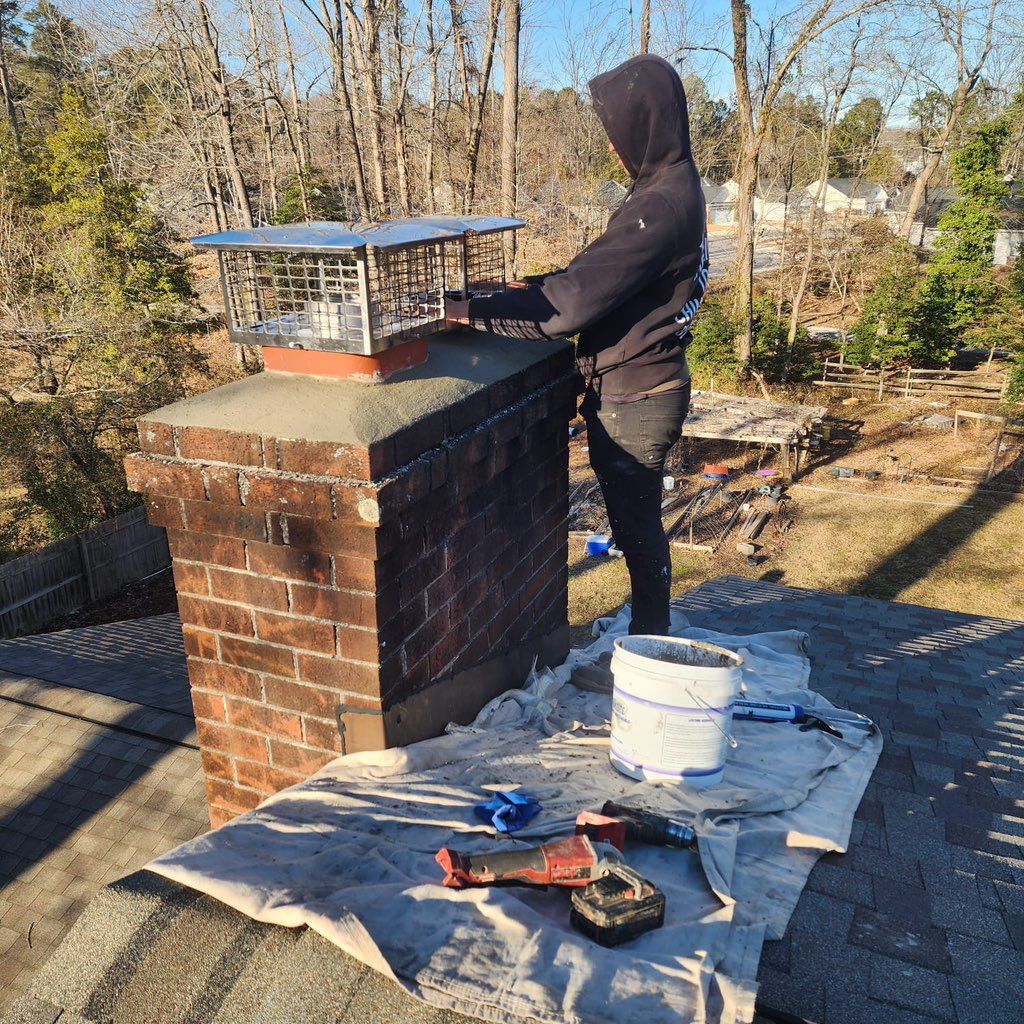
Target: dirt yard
<point>938,544</point>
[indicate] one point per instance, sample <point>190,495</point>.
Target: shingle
<point>891,935</point>
<point>911,988</point>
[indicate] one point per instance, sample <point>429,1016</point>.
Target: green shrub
<point>712,352</point>
<point>771,355</point>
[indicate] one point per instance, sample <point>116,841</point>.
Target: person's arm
<point>636,249</point>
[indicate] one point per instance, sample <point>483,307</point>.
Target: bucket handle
<point>707,711</point>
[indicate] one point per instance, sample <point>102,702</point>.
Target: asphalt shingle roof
<point>921,921</point>
<point>92,785</point>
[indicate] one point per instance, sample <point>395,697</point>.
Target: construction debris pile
<point>703,518</point>
<point>700,519</point>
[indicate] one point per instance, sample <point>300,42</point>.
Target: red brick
<point>292,563</point>
<point>194,547</point>
<point>468,412</point>
<point>507,425</point>
<point>225,520</point>
<point>257,656</point>
<point>409,486</point>
<point>448,646</point>
<point>148,475</point>
<point>165,512</point>
<point>260,718</point>
<point>222,485</point>
<point>190,578</point>
<point>504,392</point>
<point>412,441</point>
<point>348,538</point>
<point>157,438</point>
<point>423,639</point>
<point>442,590</point>
<point>351,676</point>
<point>222,793</point>
<point>353,609</point>
<point>462,543</point>
<point>322,734</point>
<point>281,494</point>
<point>415,578</point>
<point>209,445</point>
<point>227,740</point>
<point>302,759</point>
<point>249,588</point>
<point>437,462</point>
<point>359,573</point>
<point>264,778</point>
<point>217,765</point>
<point>361,505</point>
<point>224,618</point>
<point>221,816</point>
<point>321,458</point>
<point>415,678</point>
<point>304,634</point>
<point>309,700</point>
<point>359,644</point>
<point>212,675</point>
<point>199,643</point>
<point>209,705</point>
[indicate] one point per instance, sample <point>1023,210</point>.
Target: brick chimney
<point>359,564</point>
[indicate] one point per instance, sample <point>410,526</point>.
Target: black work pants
<point>628,445</point>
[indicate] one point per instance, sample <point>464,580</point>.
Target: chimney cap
<point>326,236</point>
<point>473,223</point>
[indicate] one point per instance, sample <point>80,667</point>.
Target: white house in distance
<point>769,201</point>
<point>720,202</point>
<point>1009,240</point>
<point>849,195</point>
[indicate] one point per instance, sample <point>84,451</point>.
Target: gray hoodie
<point>632,294</point>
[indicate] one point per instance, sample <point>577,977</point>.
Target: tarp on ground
<point>350,852</point>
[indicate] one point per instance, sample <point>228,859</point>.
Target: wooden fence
<point>40,587</point>
<point>908,382</point>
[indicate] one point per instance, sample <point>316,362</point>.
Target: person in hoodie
<point>631,296</point>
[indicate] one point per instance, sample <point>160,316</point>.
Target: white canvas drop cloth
<point>350,852</point>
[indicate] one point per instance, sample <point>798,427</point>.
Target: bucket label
<point>682,741</point>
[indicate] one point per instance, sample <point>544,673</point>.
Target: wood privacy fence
<point>40,587</point>
<point>979,385</point>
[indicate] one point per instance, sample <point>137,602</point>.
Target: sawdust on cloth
<point>350,852</point>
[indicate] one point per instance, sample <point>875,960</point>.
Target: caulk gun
<point>765,711</point>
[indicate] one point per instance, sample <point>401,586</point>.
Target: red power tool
<point>573,861</point>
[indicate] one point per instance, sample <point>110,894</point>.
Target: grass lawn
<point>949,547</point>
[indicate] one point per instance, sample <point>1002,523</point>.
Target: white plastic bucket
<point>672,708</point>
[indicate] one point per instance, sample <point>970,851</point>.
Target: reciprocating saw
<point>573,861</point>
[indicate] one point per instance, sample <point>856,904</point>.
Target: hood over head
<point>642,106</point>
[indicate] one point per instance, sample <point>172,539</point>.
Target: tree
<point>11,35</point>
<point>970,39</point>
<point>712,130</point>
<point>510,123</point>
<point>93,305</point>
<point>894,325</point>
<point>960,281</point>
<point>753,104</point>
<point>855,137</point>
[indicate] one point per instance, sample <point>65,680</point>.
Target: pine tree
<point>96,303</point>
<point>960,285</point>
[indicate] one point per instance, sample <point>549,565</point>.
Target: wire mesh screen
<point>363,302</point>
<point>299,299</point>
<point>406,290</point>
<point>485,262</point>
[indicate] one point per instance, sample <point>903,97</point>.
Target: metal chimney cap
<point>474,223</point>
<point>320,236</point>
<point>394,234</point>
